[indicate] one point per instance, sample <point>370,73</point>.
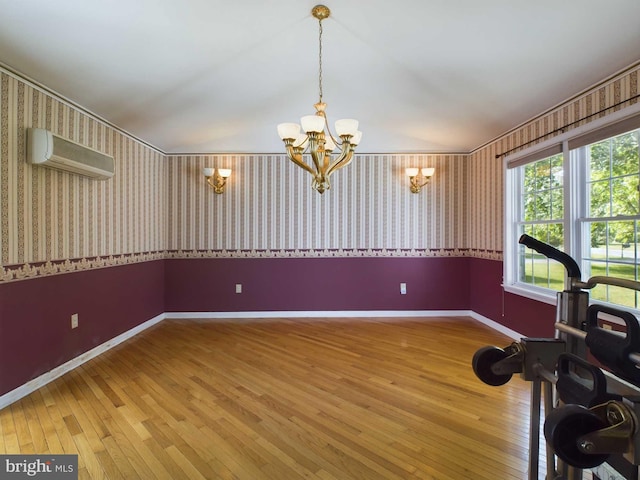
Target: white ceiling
<point>216,76</point>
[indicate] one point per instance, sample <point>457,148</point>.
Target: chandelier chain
<point>312,145</point>
<point>320,60</point>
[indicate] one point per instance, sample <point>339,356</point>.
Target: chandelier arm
<point>326,159</point>
<point>302,165</point>
<point>315,154</point>
<point>346,161</point>
<point>326,162</point>
<point>328,130</point>
<point>297,159</point>
<point>337,142</point>
<point>343,159</point>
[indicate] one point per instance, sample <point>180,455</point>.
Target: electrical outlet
<point>238,288</point>
<point>403,289</point>
<point>74,320</point>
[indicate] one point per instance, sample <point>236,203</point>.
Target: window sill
<point>528,292</point>
<point>551,299</point>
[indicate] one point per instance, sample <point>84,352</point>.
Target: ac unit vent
<point>49,150</point>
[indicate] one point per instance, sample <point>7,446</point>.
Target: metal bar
<point>617,282</point>
<point>534,430</point>
<point>574,473</point>
<point>565,127</point>
<point>576,332</point>
<point>549,377</point>
<point>548,406</point>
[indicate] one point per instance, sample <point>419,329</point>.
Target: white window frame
<point>574,198</point>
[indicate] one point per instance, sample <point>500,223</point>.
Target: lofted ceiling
<point>217,76</point>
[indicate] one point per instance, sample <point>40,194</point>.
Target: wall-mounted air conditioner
<point>49,150</point>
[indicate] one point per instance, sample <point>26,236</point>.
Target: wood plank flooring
<point>330,399</point>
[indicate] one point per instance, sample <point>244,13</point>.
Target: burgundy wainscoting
<point>526,316</point>
<point>485,286</point>
<point>529,317</point>
<point>316,284</point>
<point>35,315</point>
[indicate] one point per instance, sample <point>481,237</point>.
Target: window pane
<point>557,172</point>
<point>542,190</point>
<point>526,258</point>
<point>614,253</point>
<point>540,264</point>
<point>542,172</point>
<point>624,154</point>
<point>612,240</point>
<point>600,204</point>
<point>529,207</point>
<point>621,236</point>
<point>624,194</point>
<point>599,160</point>
<point>598,244</point>
<point>543,205</point>
<point>529,174</point>
<point>619,295</point>
<point>537,269</point>
<point>614,169</point>
<point>608,293</point>
<point>557,205</point>
<point>597,269</point>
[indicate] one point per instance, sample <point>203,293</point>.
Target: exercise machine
<point>588,377</point>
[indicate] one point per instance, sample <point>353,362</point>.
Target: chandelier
<point>314,138</point>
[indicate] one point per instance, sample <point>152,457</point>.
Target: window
<point>610,226</point>
<point>541,216</point>
<point>582,195</point>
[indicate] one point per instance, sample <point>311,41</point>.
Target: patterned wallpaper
<point>485,199</point>
<point>270,209</point>
<point>159,206</point>
<point>53,221</point>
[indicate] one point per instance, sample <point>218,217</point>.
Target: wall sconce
<point>419,177</point>
<point>218,180</point>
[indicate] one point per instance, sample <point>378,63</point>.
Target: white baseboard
<point>36,383</point>
<point>496,326</point>
<point>33,385</point>
<point>321,314</point>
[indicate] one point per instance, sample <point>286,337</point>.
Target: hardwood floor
<point>283,399</point>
